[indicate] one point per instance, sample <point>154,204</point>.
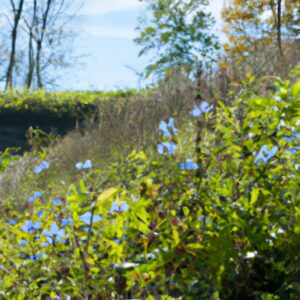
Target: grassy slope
<point>125,121</point>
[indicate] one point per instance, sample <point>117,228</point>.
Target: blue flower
<point>23,242</point>
<point>86,218</point>
<point>12,222</point>
<point>294,149</point>
<point>188,165</point>
<point>164,127</point>
<point>124,206</point>
<point>202,108</point>
<point>119,208</point>
<point>86,165</point>
<point>36,257</point>
<point>56,202</point>
<point>169,147</point>
<point>265,154</point>
<point>30,227</point>
<point>36,195</point>
<point>54,234</point>
<point>66,222</point>
<point>40,168</point>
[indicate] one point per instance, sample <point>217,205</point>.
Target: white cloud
<point>110,32</point>
<point>101,7</point>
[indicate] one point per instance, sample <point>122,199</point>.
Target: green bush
<point>59,112</point>
<point>72,103</point>
<point>212,214</point>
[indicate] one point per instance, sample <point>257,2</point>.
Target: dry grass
<point>122,126</point>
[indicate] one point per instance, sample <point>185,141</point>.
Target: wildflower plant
<point>209,220</point>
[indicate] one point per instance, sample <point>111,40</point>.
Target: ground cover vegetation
<point>187,190</point>
<point>50,111</point>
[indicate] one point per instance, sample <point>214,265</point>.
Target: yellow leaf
<point>107,194</point>
<point>223,65</point>
<point>226,47</point>
<point>254,195</point>
<point>90,261</point>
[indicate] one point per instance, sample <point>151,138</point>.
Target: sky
<point>109,60</point>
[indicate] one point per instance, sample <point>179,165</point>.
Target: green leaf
<point>295,90</point>
<point>186,211</point>
<point>254,195</point>
<point>175,236</point>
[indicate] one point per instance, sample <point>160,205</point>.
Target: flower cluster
<point>84,165</point>
<point>41,167</point>
<point>35,196</point>
<point>167,128</point>
<point>188,165</point>
<point>198,110</point>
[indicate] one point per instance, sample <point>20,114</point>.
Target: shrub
<point>213,214</point>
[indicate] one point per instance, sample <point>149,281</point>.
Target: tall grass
<point>121,125</point>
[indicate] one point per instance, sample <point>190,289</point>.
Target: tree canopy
<point>178,33</point>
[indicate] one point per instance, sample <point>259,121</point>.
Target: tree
<point>44,39</point>
<point>179,34</point>
<point>17,10</point>
<point>263,36</point>
<point>31,61</point>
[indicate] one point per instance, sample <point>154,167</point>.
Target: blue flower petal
<point>86,218</point>
<point>119,208</point>
<point>12,222</point>
<point>87,164</point>
<point>172,125</point>
<point>204,107</point>
<point>30,227</point>
<point>164,128</point>
<point>23,242</point>
<point>56,202</point>
<point>36,195</point>
<point>37,256</point>
<point>265,154</point>
<point>60,233</point>
<point>166,148</point>
<point>78,166</point>
<point>114,207</point>
<point>55,233</point>
<point>188,165</point>
<point>196,112</point>
<point>37,169</point>
<point>66,222</point>
<point>160,149</point>
<point>45,164</point>
<point>124,206</point>
<point>54,228</point>
<point>40,168</point>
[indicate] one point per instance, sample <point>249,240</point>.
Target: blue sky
<point>105,32</point>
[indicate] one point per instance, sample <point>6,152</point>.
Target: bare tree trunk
<point>276,7</point>
<point>279,38</point>
<point>40,44</point>
<point>31,62</point>
<point>12,60</point>
<point>38,65</point>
